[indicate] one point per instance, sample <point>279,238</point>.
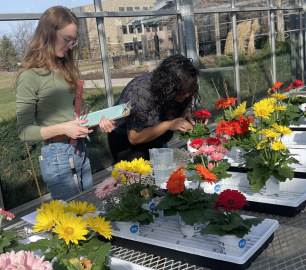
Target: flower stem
<point>92,235</point>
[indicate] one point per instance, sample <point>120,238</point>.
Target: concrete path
<point>100,83</point>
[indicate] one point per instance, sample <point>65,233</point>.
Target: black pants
<point>122,149</point>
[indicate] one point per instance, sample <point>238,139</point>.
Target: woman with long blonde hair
<point>45,91</point>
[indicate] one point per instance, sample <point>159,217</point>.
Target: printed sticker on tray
<point>152,206</point>
<point>217,188</point>
<point>242,243</point>
<point>134,229</point>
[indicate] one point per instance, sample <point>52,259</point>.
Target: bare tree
<point>21,35</point>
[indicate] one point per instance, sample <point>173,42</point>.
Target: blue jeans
<point>57,173</point>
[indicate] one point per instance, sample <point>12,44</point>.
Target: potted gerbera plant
<point>200,130</point>
<point>207,164</point>
<point>127,209</point>
<point>268,161</point>
<point>188,203</point>
<point>71,235</point>
<point>227,224</point>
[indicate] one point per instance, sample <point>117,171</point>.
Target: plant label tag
<point>191,159</point>
<point>145,193</point>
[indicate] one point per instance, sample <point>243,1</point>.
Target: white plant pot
<point>214,188</point>
<point>190,231</point>
<point>128,227</point>
<point>236,154</point>
<point>230,244</point>
<point>150,205</point>
<point>189,148</point>
<point>271,187</point>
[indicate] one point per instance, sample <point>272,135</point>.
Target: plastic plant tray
<point>289,202</point>
<point>164,238</point>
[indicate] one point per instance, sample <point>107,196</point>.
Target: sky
<point>33,6</point>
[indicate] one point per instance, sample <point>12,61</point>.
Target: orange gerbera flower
<point>180,169</point>
<point>206,174</point>
<point>176,182</point>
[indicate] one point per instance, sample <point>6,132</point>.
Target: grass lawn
<point>96,65</point>
<point>8,99</point>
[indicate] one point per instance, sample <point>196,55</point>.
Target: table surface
<point>287,251</point>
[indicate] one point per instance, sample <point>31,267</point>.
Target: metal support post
<point>301,43</point>
<point>235,53</point>
<point>272,43</point>
<point>217,34</point>
<point>104,55</point>
<point>180,33</point>
<point>190,35</point>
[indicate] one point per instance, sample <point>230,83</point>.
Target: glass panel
<point>251,3</point>
<point>285,2</point>
<point>203,4</point>
<point>20,6</point>
<point>215,60</point>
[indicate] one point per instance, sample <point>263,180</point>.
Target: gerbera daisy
<point>99,225</point>
<point>228,102</point>
<point>230,200</point>
<point>240,109</point>
<point>221,149</point>
<point>287,89</point>
<point>125,165</point>
<point>278,145</point>
<point>205,149</point>
<point>47,219</point>
<point>196,143</point>
<point>141,166</point>
<point>79,208</point>
<point>243,126</point>
<point>181,169</point>
<point>262,144</point>
<point>219,103</point>
<point>216,156</point>
<point>106,187</point>
<point>202,113</point>
<point>176,182</point>
<point>8,215</point>
<point>263,109</point>
<point>231,128</point>
<point>54,204</point>
<point>282,129</point>
<point>212,141</point>
<point>221,127</point>
<point>71,228</point>
<point>210,165</point>
<point>279,96</point>
<point>206,174</point>
<point>129,175</point>
<point>279,108</point>
<point>85,264</point>
<point>296,84</point>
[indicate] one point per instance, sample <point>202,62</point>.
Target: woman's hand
<point>180,124</point>
<point>188,116</point>
<point>74,131</point>
<point>106,125</point>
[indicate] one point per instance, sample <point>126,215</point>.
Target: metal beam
<point>180,32</point>
<point>235,53</point>
<point>104,55</point>
<point>272,43</point>
<point>301,43</point>
<point>191,46</point>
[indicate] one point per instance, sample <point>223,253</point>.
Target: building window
<point>137,8</point>
<point>150,7</point>
<point>160,28</point>
<point>154,29</point>
<point>139,29</point>
<point>148,29</point>
<point>124,30</point>
<point>145,8</point>
<point>131,29</point>
<point>129,9</point>
<point>121,8</point>
<point>128,47</point>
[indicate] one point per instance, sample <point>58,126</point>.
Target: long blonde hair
<point>41,50</point>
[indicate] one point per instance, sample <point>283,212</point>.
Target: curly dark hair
<point>176,74</point>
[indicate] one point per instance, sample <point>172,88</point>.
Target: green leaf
<point>235,221</point>
<point>4,242</point>
<point>192,216</point>
<point>284,172</point>
<point>98,256</point>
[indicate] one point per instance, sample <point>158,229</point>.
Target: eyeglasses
<point>69,42</point>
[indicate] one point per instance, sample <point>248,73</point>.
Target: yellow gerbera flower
<point>85,264</point>
<point>71,228</point>
<point>141,166</point>
<point>279,108</point>
<point>80,208</point>
<point>263,144</point>
<point>46,219</point>
<point>263,108</point>
<point>99,225</point>
<point>55,204</point>
<point>278,145</point>
<point>282,129</point>
<point>279,96</point>
<point>240,109</point>
<point>124,165</point>
<point>269,133</point>
<point>270,101</point>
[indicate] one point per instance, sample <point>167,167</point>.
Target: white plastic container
<point>235,155</point>
<point>189,148</point>
<point>230,244</point>
<point>214,188</point>
<point>271,187</point>
<point>191,231</point>
<point>129,227</point>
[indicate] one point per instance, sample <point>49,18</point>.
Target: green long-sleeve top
<point>43,99</point>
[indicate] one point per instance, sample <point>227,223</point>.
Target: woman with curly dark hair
<point>160,103</point>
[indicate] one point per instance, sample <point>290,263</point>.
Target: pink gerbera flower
<point>106,187</point>
<point>207,150</point>
<point>8,215</point>
<point>210,165</point>
<point>23,260</point>
<point>221,149</point>
<point>216,156</point>
<point>130,175</point>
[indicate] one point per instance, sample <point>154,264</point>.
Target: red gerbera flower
<point>287,89</point>
<point>176,182</point>
<point>243,126</point>
<point>202,114</point>
<point>222,139</point>
<point>219,103</point>
<point>231,128</point>
<point>230,200</point>
<point>221,127</point>
<point>196,143</point>
<point>213,141</point>
<point>296,84</point>
<point>206,174</point>
<point>180,169</point>
<point>277,85</point>
<point>230,101</point>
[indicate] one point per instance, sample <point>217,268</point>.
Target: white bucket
<point>230,244</point>
<point>128,227</point>
<point>271,187</point>
<point>214,188</point>
<point>190,231</point>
